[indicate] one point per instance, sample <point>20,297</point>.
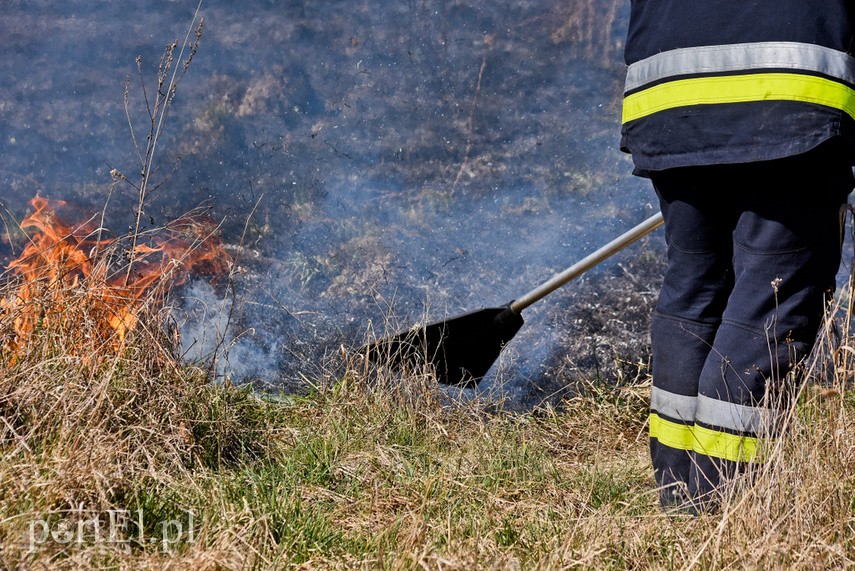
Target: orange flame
<point>66,281</point>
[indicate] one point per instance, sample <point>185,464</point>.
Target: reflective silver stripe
<point>741,418</point>
<point>716,413</point>
<point>672,405</point>
<point>739,57</point>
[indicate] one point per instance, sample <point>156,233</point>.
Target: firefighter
<point>742,114</point>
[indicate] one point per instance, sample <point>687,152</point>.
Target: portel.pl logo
<point>119,527</point>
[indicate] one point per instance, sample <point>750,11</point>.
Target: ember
<point>70,282</point>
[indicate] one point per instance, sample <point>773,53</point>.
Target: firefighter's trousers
<point>753,250</point>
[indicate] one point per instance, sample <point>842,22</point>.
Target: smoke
<point>374,163</point>
<point>207,337</point>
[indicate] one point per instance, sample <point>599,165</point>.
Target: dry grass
<point>82,437</point>
<point>382,472</point>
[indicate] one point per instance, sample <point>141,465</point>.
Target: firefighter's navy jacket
<point>719,82</point>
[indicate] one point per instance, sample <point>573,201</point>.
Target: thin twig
<point>162,103</point>
<point>470,123</point>
<point>230,291</point>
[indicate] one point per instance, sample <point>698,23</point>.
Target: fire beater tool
<point>462,349</point>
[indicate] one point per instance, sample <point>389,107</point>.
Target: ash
<point>373,164</point>
<point>596,331</point>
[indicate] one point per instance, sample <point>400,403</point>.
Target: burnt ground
<point>603,326</point>
<point>372,163</point>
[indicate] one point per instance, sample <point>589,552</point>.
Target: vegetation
<point>114,454</point>
<point>134,461</point>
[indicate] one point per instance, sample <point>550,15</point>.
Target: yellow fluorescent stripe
<point>705,441</point>
<point>671,434</point>
<point>739,89</point>
<point>723,445</point>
